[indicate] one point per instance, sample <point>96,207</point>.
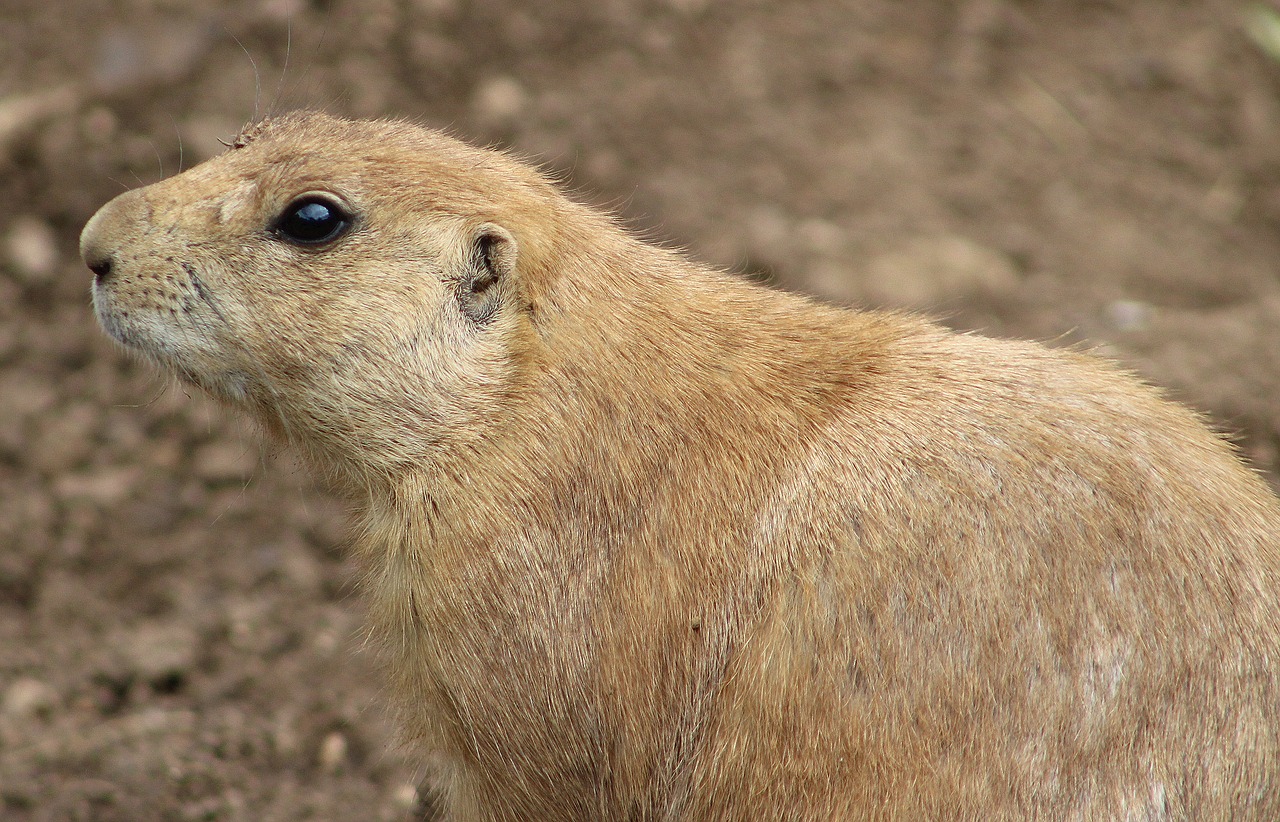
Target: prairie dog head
<point>328,274</point>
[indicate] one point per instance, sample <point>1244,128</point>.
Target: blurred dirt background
<point>179,632</point>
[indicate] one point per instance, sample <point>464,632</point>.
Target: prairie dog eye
<point>312,219</point>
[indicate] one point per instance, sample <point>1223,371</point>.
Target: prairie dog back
<point>645,541</point>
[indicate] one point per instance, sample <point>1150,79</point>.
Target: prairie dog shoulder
<point>646,541</point>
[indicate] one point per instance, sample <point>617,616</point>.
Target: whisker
<point>284,70</point>
<point>257,76</point>
<point>178,132</point>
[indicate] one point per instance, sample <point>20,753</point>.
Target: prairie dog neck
<point>617,313</point>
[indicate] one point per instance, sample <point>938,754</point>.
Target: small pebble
<point>333,751</point>
<point>1129,315</point>
<point>156,651</point>
<point>769,231</point>
<point>101,486</point>
<point>283,11</point>
<point>500,99</point>
<point>406,796</point>
<point>31,249</point>
<point>822,236</point>
<point>227,461</point>
<point>284,735</point>
<point>99,125</point>
<point>934,271</point>
<point>27,696</point>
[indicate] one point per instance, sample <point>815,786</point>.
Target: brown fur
<point>649,542</point>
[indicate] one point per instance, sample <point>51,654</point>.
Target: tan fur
<point>654,543</point>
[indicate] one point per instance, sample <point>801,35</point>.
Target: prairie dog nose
<point>99,263</point>
<point>101,237</point>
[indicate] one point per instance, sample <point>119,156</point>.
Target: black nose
<point>100,266</point>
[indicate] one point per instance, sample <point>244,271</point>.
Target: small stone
<point>500,99</point>
<point>832,280</point>
<point>934,271</point>
<point>406,796</point>
<point>27,696</point>
<point>100,125</point>
<point>24,397</point>
<point>333,751</point>
<point>103,487</point>
<point>1225,200</point>
<point>768,232</point>
<point>19,114</point>
<point>326,640</point>
<point>284,735</point>
<point>245,623</point>
<point>223,462</point>
<point>822,236</point>
<point>301,567</point>
<point>31,249</point>
<point>604,165</point>
<point>154,652</point>
<point>1129,315</point>
<point>283,11</point>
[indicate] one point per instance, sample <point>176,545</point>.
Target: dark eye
<point>312,220</point>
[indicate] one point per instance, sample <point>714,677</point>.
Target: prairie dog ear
<point>485,284</point>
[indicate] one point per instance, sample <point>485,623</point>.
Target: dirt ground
<point>179,630</point>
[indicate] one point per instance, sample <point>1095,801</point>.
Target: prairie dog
<point>648,542</point>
